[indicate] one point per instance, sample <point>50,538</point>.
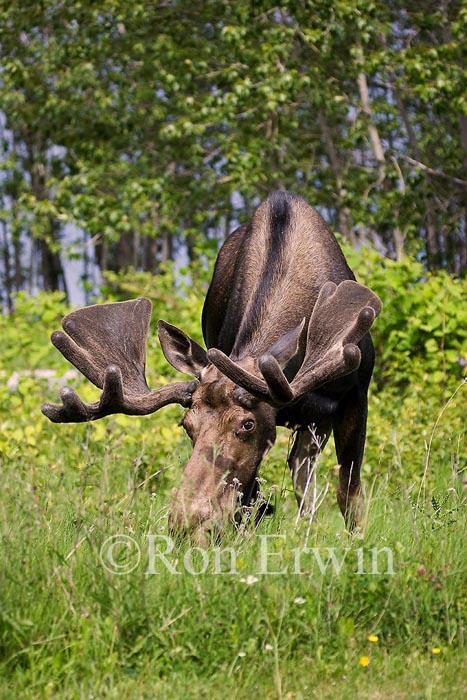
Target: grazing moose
<point>287,330</point>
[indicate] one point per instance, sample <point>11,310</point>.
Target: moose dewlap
<point>287,331</point>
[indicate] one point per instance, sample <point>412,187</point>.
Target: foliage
<point>132,131</point>
<point>24,348</point>
<point>421,336</point>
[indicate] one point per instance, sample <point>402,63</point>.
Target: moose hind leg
<point>349,436</point>
<point>309,443</point>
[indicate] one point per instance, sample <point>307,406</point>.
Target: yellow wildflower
<point>373,638</point>
<point>364,661</point>
<point>435,650</point>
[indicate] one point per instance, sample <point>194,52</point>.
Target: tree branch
<point>431,171</point>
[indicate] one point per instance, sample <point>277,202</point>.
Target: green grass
<point>71,629</point>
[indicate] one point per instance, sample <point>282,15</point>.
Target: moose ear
<point>287,346</point>
<point>180,351</point>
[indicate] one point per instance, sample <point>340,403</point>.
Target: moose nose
<point>188,518</point>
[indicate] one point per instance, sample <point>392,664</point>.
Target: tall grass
<point>70,628</point>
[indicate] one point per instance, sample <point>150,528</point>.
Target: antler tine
<point>107,344</point>
<point>280,390</point>
<point>274,389</point>
<point>238,375</point>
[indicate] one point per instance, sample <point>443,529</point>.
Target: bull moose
<point>286,327</point>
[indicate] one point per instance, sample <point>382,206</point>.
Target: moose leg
<point>309,442</point>
<point>349,427</point>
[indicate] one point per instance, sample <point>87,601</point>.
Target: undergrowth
<point>96,601</point>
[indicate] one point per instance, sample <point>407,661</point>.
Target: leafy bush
<point>421,335</point>
<point>25,334</point>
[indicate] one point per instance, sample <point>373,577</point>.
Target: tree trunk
<point>190,246</point>
<point>53,276</point>
<point>51,270</point>
<point>431,234</point>
<point>344,216</point>
<point>124,253</point>
<point>18,274</point>
<point>376,144</point>
<point>149,257</point>
<point>166,247</point>
<point>7,268</point>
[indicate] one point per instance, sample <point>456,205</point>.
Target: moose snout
<point>202,516</point>
<point>203,501</point>
<point>185,514</point>
<point>200,521</point>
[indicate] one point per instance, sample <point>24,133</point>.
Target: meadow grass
<point>70,628</point>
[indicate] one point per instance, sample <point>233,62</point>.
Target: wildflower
<point>299,601</point>
<point>436,650</point>
<point>373,638</point>
<point>249,580</point>
<point>241,654</point>
<point>268,647</point>
<point>364,661</point>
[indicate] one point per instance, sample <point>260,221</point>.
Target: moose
<point>287,331</point>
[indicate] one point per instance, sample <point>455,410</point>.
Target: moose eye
<point>248,425</point>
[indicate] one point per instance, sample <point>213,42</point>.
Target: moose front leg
<point>349,427</point>
<point>309,443</point>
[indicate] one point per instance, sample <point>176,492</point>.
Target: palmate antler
<point>342,315</point>
<point>107,343</point>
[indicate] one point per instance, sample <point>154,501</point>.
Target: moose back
<point>286,327</point>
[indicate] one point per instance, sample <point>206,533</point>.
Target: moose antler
<point>107,343</point>
<point>342,315</point>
